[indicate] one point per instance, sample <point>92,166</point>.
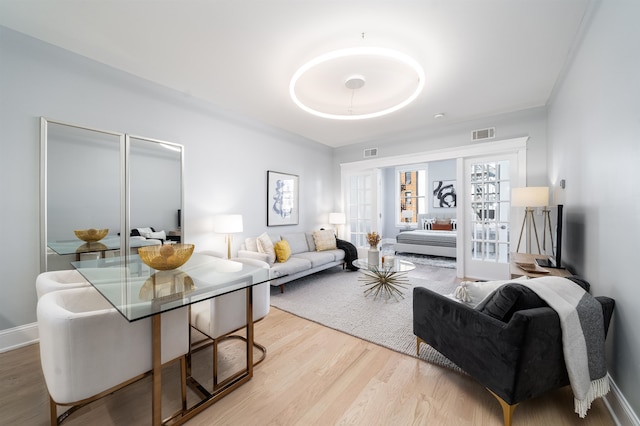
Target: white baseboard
<point>17,337</point>
<point>622,413</point>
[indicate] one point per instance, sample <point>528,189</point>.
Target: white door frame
<point>515,145</point>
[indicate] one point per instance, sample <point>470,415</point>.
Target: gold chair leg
<point>507,409</point>
<point>53,412</point>
<point>418,342</point>
<point>215,364</point>
<point>183,381</point>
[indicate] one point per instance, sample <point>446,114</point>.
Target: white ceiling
<point>481,57</point>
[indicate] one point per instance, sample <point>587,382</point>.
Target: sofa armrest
<point>248,254</point>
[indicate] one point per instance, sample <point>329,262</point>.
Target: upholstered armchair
<point>89,350</point>
<point>516,358</point>
<point>220,317</point>
<point>59,280</point>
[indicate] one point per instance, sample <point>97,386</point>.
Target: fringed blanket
<point>582,337</point>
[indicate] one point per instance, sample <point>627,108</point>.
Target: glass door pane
<point>488,217</point>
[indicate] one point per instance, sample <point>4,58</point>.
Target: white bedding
<point>435,243</point>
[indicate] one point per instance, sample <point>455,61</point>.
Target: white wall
<point>226,157</point>
<point>594,128</point>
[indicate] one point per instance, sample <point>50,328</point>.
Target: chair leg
<point>215,364</point>
<point>418,341</point>
<point>183,381</point>
<point>53,412</point>
<point>507,409</point>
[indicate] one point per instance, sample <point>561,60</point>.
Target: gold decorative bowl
<point>167,256</point>
<point>91,235</point>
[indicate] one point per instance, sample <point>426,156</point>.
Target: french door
<point>362,206</point>
<point>487,213</point>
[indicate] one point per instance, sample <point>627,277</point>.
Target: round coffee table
<point>386,280</point>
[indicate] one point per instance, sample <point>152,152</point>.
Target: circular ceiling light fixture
<point>326,86</point>
<point>354,82</point>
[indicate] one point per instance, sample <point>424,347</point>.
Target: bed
<point>440,241</point>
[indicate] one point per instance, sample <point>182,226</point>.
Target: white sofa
<point>304,260</point>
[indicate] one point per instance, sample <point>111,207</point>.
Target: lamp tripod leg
<point>521,231</point>
<point>535,231</point>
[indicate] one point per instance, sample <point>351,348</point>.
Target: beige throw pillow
<point>324,240</point>
<point>265,245</point>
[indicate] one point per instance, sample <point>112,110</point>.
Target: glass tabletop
<point>397,266</point>
<point>138,291</point>
<point>105,244</point>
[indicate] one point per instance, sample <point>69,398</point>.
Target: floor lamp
<point>530,197</point>
<point>337,219</point>
<point>228,224</point>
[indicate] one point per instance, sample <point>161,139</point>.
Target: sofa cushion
<point>283,251</point>
<point>338,254</point>
<point>508,299</point>
<point>324,239</point>
<point>265,245</point>
<point>251,244</point>
<point>316,258</point>
<point>310,242</point>
<point>297,242</point>
<point>515,297</point>
<point>290,267</point>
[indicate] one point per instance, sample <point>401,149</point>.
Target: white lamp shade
<point>337,218</point>
<point>407,214</point>
<point>227,223</point>
<point>530,196</point>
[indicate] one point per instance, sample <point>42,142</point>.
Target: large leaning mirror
<point>107,184</point>
<point>155,187</point>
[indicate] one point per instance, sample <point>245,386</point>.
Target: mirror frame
<point>124,141</point>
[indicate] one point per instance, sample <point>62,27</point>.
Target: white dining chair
<point>219,318</point>
<point>89,350</point>
<point>59,280</point>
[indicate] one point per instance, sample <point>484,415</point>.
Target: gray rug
<point>335,298</point>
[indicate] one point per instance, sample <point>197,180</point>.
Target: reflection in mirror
<point>155,185</point>
<point>86,186</point>
<point>82,191</point>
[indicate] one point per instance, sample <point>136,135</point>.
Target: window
<point>412,192</point>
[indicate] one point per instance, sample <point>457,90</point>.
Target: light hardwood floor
<point>313,375</point>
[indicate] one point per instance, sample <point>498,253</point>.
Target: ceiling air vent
<point>370,152</point>
<point>482,134</point>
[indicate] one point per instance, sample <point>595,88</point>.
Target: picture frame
<point>282,199</point>
<point>444,193</point>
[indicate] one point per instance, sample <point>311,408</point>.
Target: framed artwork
<point>444,193</point>
<point>282,199</point>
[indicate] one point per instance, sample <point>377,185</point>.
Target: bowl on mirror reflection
<point>91,235</point>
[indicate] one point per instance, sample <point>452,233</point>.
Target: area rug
<point>335,298</point>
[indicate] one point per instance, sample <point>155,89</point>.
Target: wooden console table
<point>516,271</point>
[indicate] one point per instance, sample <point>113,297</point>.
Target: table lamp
<point>227,224</point>
<point>529,197</point>
<point>337,219</point>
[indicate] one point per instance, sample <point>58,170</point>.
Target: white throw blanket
<point>583,337</point>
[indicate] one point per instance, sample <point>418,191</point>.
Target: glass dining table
<point>138,291</point>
